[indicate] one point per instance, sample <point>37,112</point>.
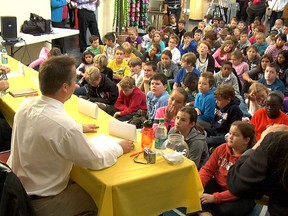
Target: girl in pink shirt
<point>223,53</point>
<point>239,65</point>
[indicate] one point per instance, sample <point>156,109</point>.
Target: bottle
<point>4,61</point>
<point>4,56</point>
<point>147,135</point>
<point>160,134</point>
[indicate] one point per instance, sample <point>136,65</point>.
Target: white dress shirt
<point>45,144</point>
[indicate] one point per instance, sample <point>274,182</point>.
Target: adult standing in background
<point>256,8</point>
<point>87,19</point>
<point>59,15</point>
<point>42,157</point>
<point>174,7</point>
<point>277,7</point>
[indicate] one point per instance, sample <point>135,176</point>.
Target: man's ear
<point>65,87</point>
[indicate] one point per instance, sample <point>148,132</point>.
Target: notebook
<point>23,92</point>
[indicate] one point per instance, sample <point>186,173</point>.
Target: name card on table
<point>88,108</point>
<point>122,130</point>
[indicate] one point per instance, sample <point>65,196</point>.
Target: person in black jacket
<point>99,88</point>
<point>226,112</point>
<point>263,171</point>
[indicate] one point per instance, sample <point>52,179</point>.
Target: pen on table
<point>132,155</point>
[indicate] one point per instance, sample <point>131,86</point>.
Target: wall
<point>22,9</point>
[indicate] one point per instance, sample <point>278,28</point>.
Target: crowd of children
<point>202,82</point>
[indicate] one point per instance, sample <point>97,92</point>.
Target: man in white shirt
<point>46,142</point>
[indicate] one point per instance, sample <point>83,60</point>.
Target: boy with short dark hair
<point>111,45</point>
<point>95,48</point>
<point>270,79</point>
<point>158,96</point>
<point>191,87</point>
<point>151,54</point>
<point>243,42</point>
<point>150,68</point>
<point>180,31</point>
<point>188,45</point>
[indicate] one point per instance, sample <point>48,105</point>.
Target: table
<point>28,39</point>
<point>126,188</point>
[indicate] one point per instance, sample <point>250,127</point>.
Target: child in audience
<point>233,23</point>
<point>194,135</point>
<point>237,33</point>
<point>270,39</point>
<point>217,199</point>
<point>128,51</point>
<point>158,96</point>
<point>252,59</point>
<point>173,22</point>
<point>243,42</point>
<point>147,38</point>
<point>151,54</point>
<point>222,35</point>
<point>87,62</point>
<point>191,87</point>
<point>260,43</point>
<point>227,111</point>
<point>157,38</point>
<point>176,101</point>
<point>271,80</point>
<point>188,45</point>
<point>205,101</point>
<point>201,26</point>
<point>172,46</point>
<point>239,65</point>
<point>242,26</point>
<point>223,53</point>
<point>197,35</point>
<point>188,66</point>
<point>119,65</point>
<point>137,73</point>
<point>282,62</point>
<point>99,89</point>
<point>167,66</point>
<point>150,68</point>
<point>211,37</point>
<point>134,39</point>
<point>256,97</point>
<point>95,48</point>
<point>269,115</point>
<point>111,45</point>
<point>180,31</point>
<point>204,61</point>
<point>278,26</point>
<point>101,62</point>
<point>256,30</point>
<point>167,32</point>
<point>130,100</point>
<point>279,45</point>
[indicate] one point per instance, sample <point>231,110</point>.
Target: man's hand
<point>89,128</point>
<point>198,111</point>
<point>207,198</point>
<point>126,145</point>
<point>6,69</point>
<point>4,85</point>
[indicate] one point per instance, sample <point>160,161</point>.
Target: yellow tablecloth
<point>126,188</point>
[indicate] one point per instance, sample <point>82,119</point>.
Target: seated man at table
<point>46,142</point>
<point>5,129</point>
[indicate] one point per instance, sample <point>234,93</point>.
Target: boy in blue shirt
<point>188,45</point>
<point>158,96</point>
<point>205,102</point>
<point>270,79</point>
<point>188,66</point>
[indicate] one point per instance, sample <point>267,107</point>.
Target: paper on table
<point>122,129</point>
<point>13,74</point>
<point>88,108</point>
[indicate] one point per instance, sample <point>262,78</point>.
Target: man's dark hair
<point>54,72</point>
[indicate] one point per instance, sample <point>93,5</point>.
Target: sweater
<point>131,103</point>
<point>254,175</point>
<point>206,104</point>
<point>261,121</point>
<point>218,166</point>
<point>198,150</point>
